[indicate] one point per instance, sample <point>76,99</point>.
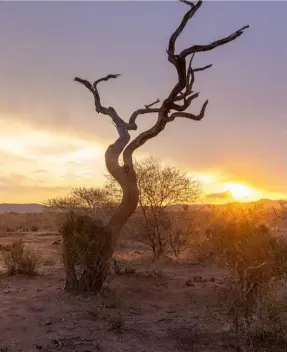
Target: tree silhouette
<point>175,105</point>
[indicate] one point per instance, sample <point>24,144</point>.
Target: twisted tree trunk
<point>172,107</point>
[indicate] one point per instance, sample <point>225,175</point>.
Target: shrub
<point>160,187</point>
<point>20,260</point>
<point>86,252</point>
<point>253,258</point>
<point>267,325</point>
<point>252,255</point>
<point>34,228</point>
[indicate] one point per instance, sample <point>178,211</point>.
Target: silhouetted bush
<point>86,252</point>
<point>21,260</point>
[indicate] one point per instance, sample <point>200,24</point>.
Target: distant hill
<point>21,208</point>
<point>266,203</point>
<point>38,208</point>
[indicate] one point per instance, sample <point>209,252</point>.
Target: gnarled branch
<point>189,115</point>
<point>183,23</point>
<point>199,48</point>
<point>110,111</point>
<point>148,110</point>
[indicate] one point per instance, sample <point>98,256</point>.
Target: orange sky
<point>42,163</point>
<point>51,139</point>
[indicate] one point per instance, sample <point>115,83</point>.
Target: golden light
<point>240,192</point>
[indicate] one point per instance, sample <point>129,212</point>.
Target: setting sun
<point>240,192</point>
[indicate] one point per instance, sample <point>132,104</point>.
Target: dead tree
<point>174,106</point>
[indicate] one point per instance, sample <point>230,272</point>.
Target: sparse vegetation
<point>21,260</point>
<point>161,187</point>
<point>85,246</point>
<point>256,260</point>
<point>119,249</point>
<point>269,317</point>
<point>172,295</point>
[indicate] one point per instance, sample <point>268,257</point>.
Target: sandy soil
<point>158,308</point>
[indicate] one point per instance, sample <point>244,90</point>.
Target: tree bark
<point>170,109</point>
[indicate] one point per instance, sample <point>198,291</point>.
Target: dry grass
<point>166,305</point>
<point>256,287</point>
<point>267,324</point>
<point>21,260</point>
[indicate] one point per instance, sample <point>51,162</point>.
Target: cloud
<point>218,197</point>
<point>54,149</point>
<point>19,188</point>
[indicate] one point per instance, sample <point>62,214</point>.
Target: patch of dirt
<point>167,309</point>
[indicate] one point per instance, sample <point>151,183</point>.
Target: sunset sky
<point>51,139</point>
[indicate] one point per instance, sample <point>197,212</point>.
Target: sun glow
<point>241,192</point>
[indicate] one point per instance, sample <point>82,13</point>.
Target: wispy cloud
<point>218,197</point>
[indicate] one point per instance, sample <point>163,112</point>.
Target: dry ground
<point>151,310</point>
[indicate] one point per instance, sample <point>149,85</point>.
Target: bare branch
<point>183,23</point>
<point>110,111</point>
<point>189,115</point>
<point>186,102</point>
<point>200,48</point>
<point>147,110</point>
<point>189,82</point>
<point>150,105</point>
<point>145,136</point>
<point>132,121</point>
<point>201,68</point>
<point>106,78</point>
<point>86,83</point>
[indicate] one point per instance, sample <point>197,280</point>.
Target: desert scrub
<point>253,258</point>
<point>86,252</point>
<point>266,327</point>
<point>270,312</point>
<point>21,260</point>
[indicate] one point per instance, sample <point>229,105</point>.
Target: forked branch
<point>175,105</point>
<point>147,110</point>
<point>199,48</point>
<point>98,105</point>
<point>189,115</point>
<point>181,95</point>
<point>183,23</point>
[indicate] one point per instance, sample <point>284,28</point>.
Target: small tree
<point>173,106</point>
<point>161,187</point>
<point>96,201</point>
